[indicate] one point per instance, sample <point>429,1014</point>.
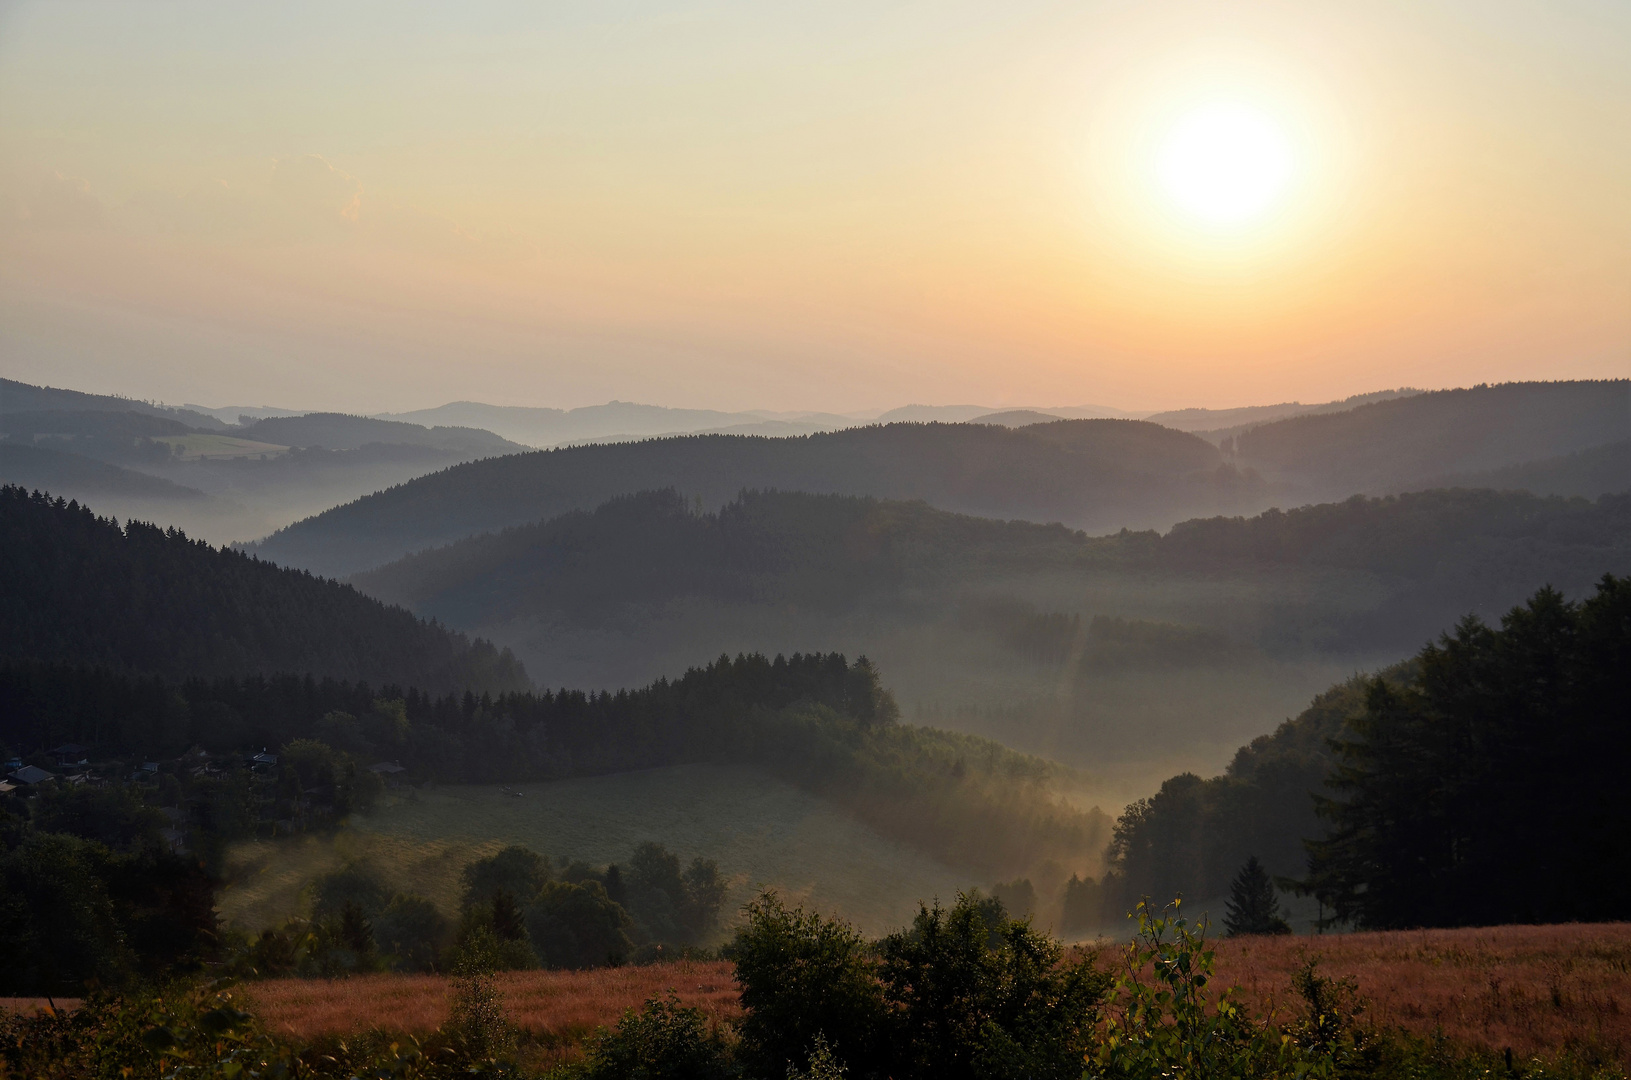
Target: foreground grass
<point>1538,991</point>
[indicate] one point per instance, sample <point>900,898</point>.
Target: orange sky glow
<point>838,207</point>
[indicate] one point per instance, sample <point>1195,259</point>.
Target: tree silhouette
<point>1253,907</point>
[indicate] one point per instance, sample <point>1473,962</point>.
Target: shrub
<point>804,978</point>
<point>976,994</point>
<point>664,1041</point>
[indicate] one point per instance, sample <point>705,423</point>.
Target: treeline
<point>818,721</point>
<point>518,910</point>
<point>1475,784</point>
<point>79,589</point>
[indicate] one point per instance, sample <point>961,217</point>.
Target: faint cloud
<point>309,185</point>
<point>212,208</point>
<point>65,202</point>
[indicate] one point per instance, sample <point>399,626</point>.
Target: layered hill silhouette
<point>230,482</point>
<point>1405,442</point>
<point>1094,474</point>
<point>78,589</point>
<point>1084,648</point>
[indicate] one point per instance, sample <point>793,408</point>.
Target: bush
<point>665,1041</point>
<point>976,994</point>
<point>804,978</point>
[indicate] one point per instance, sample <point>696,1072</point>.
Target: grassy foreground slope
<point>761,830</point>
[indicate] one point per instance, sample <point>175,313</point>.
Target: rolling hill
<point>1410,441</point>
<point>78,589</point>
<point>338,431</point>
<point>1094,650</point>
<point>257,476</point>
<point>1088,473</point>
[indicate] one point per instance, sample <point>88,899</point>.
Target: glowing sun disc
<point>1225,164</point>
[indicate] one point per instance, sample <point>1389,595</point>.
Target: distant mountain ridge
<point>20,397</point>
<point>1233,420</point>
<point>1089,473</point>
<point>1408,441</point>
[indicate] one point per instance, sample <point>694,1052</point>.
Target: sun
<point>1225,165</point>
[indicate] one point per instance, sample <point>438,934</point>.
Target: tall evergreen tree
<point>1253,907</point>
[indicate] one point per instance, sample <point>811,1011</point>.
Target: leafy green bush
<point>804,978</point>
<point>664,1041</point>
<point>973,993</point>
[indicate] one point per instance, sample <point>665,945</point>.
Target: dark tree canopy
<point>79,589</point>
<point>1490,790</point>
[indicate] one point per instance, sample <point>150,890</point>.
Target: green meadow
<point>760,831</point>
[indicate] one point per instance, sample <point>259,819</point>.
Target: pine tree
<point>1253,907</point>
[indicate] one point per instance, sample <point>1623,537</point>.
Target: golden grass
<point>1539,990</point>
<point>553,1006</point>
<point>1536,989</point>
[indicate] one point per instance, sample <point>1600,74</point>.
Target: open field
<point>1536,989</point>
<point>552,1005</point>
<point>760,830</point>
<point>203,445</point>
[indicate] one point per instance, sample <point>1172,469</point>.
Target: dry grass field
<point>760,830</point>
<point>1535,989</point>
<point>1538,990</point>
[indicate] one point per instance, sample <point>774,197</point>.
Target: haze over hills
<point>1099,475</point>
<point>1104,474</point>
<point>1232,421</point>
<point>225,481</point>
<point>1097,651</point>
<point>19,397</point>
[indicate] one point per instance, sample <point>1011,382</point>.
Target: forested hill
<point>1091,474</point>
<point>1384,572</point>
<point>75,588</point>
<point>1394,445</point>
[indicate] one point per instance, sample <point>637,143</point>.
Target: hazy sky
<point>831,205</point>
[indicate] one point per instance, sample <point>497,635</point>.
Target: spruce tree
<point>1253,907</point>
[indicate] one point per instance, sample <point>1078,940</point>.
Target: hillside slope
<point>1088,649</point>
<point>1407,442</point>
<point>1087,473</point>
<point>338,431</point>
<point>78,589</point>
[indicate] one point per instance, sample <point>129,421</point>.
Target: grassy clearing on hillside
<point>760,830</point>
<point>205,446</point>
